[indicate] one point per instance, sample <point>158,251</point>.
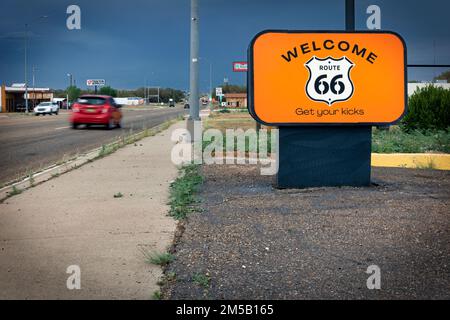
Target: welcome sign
<point>327,77</point>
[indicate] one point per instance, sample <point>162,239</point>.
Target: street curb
<point>55,170</point>
<point>412,160</point>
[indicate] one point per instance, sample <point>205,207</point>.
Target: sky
<point>136,42</point>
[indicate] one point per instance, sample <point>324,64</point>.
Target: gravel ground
<point>252,241</point>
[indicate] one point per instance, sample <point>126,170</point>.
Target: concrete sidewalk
<point>75,220</point>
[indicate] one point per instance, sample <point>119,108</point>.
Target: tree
<point>108,91</point>
<point>164,94</point>
<point>444,76</point>
<point>73,93</point>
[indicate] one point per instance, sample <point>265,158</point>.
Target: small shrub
<point>428,108</point>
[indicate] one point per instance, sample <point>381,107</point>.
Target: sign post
<point>331,87</point>
<point>219,93</point>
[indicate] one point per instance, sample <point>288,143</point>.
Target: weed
<point>182,192</point>
<point>15,191</point>
<point>31,179</point>
<point>201,280</point>
<point>160,259</point>
<point>157,295</point>
<point>118,195</point>
<point>396,140</point>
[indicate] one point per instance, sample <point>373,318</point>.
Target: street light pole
<point>70,84</point>
<point>193,98</point>
<point>26,68</point>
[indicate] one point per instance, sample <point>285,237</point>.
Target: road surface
<point>29,143</point>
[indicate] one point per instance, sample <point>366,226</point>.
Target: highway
<point>30,143</point>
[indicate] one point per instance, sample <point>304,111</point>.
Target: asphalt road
<point>29,143</point>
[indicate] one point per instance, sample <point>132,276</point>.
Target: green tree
<point>444,76</point>
<point>73,93</point>
<point>108,91</point>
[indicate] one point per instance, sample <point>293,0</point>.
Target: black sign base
<point>324,156</point>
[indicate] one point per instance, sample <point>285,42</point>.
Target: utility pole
<point>210,86</point>
<point>70,84</point>
<point>26,63</point>
<point>26,68</point>
<point>34,86</point>
<point>350,15</point>
<point>193,87</point>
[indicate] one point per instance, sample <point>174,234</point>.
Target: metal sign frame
<point>250,79</point>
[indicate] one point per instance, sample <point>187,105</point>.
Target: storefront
<point>236,100</point>
<point>12,99</point>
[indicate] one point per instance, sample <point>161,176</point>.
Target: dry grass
<point>232,120</point>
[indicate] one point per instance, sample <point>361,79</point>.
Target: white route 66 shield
<point>329,79</point>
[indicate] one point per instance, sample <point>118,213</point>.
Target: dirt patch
<point>256,242</point>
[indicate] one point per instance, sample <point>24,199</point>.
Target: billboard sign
<point>240,66</point>
<point>95,82</point>
<point>317,77</point>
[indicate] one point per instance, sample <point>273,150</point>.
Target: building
<point>12,99</point>
<point>236,100</point>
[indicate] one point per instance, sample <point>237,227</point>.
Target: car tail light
<point>75,108</point>
<point>105,109</point>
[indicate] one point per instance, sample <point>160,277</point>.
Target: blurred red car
<point>96,109</point>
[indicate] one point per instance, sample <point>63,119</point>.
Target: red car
<point>95,109</point>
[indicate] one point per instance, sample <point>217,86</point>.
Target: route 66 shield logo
<point>329,79</point>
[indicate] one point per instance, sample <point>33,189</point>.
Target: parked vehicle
<point>96,109</point>
<point>187,106</point>
<point>171,103</point>
<point>46,108</point>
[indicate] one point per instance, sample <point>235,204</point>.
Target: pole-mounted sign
<point>300,78</point>
<point>240,66</point>
<point>95,82</point>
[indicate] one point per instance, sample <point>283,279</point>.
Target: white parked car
<point>46,108</point>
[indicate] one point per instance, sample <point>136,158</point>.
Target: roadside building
<point>236,100</point>
<point>12,99</point>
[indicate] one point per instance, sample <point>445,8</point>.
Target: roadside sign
<point>319,77</point>
<point>219,92</point>
<point>240,66</point>
<point>95,82</point>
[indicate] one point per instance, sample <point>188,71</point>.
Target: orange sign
<point>327,77</point>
